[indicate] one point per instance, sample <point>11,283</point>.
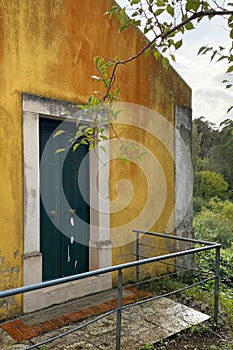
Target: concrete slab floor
<point>149,322</point>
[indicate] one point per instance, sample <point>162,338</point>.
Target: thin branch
<point>162,36</point>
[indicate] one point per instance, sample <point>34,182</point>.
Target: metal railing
<point>119,268</point>
<point>206,244</point>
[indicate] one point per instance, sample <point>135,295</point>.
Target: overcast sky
<point>210,98</point>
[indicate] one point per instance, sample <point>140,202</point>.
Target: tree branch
<point>164,35</point>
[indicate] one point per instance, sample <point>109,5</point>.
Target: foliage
<point>224,208</point>
<point>198,204</point>
<point>227,300</point>
<point>206,134</point>
<point>213,149</point>
<point>208,184</point>
<point>223,150</point>
<point>206,262</point>
<point>214,227</point>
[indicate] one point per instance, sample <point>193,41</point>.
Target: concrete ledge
<point>43,298</point>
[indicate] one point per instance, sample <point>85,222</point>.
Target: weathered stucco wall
<point>47,49</point>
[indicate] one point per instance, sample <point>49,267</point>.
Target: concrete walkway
<point>148,322</point>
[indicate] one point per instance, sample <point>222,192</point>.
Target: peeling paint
<point>16,253</point>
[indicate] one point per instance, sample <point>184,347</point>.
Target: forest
<point>213,181</point>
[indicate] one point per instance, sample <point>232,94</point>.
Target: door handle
<point>52,213</point>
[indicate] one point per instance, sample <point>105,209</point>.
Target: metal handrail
<point>208,246</point>
<point>119,268</point>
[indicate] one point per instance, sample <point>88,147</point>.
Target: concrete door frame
<point>100,248</point>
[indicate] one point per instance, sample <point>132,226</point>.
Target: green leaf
<point>231,34</point>
<point>123,17</point>
<point>125,26</point>
<point>116,92</point>
<point>178,44</point>
<point>161,3</point>
<point>89,131</point>
<point>213,55</point>
<point>203,50</point>
<point>157,54</point>
<point>192,5</point>
<point>134,2</point>
<point>76,146</point>
<point>170,10</point>
<point>103,149</point>
<point>60,150</point>
<point>100,63</point>
<point>165,62</point>
<point>91,146</point>
<point>158,12</point>
<point>222,58</point>
<point>147,52</point>
<point>113,10</point>
<point>189,26</point>
<point>103,137</point>
<point>230,69</point>
<point>136,23</point>
<point>58,133</point>
<point>173,57</point>
<point>96,59</point>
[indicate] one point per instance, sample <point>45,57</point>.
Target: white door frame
<point>100,248</point>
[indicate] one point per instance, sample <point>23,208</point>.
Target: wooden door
<point>64,209</point>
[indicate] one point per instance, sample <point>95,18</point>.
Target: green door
<point>64,208</point>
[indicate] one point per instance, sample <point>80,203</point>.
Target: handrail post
<point>217,278</point>
<point>119,304</point>
<point>137,257</point>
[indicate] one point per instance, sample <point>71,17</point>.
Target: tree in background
<point>213,172</point>
<point>208,136</point>
<point>215,223</point>
<point>222,152</point>
<point>212,151</point>
<point>209,184</point>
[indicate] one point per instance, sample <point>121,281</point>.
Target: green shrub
<point>208,184</point>
<point>206,262</point>
<point>215,224</point>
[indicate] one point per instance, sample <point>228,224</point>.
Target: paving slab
<point>149,322</point>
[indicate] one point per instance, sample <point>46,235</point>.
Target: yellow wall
<point>47,49</point>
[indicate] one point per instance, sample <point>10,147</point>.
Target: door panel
<point>61,229</point>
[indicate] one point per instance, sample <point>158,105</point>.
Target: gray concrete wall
<point>183,182</point>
